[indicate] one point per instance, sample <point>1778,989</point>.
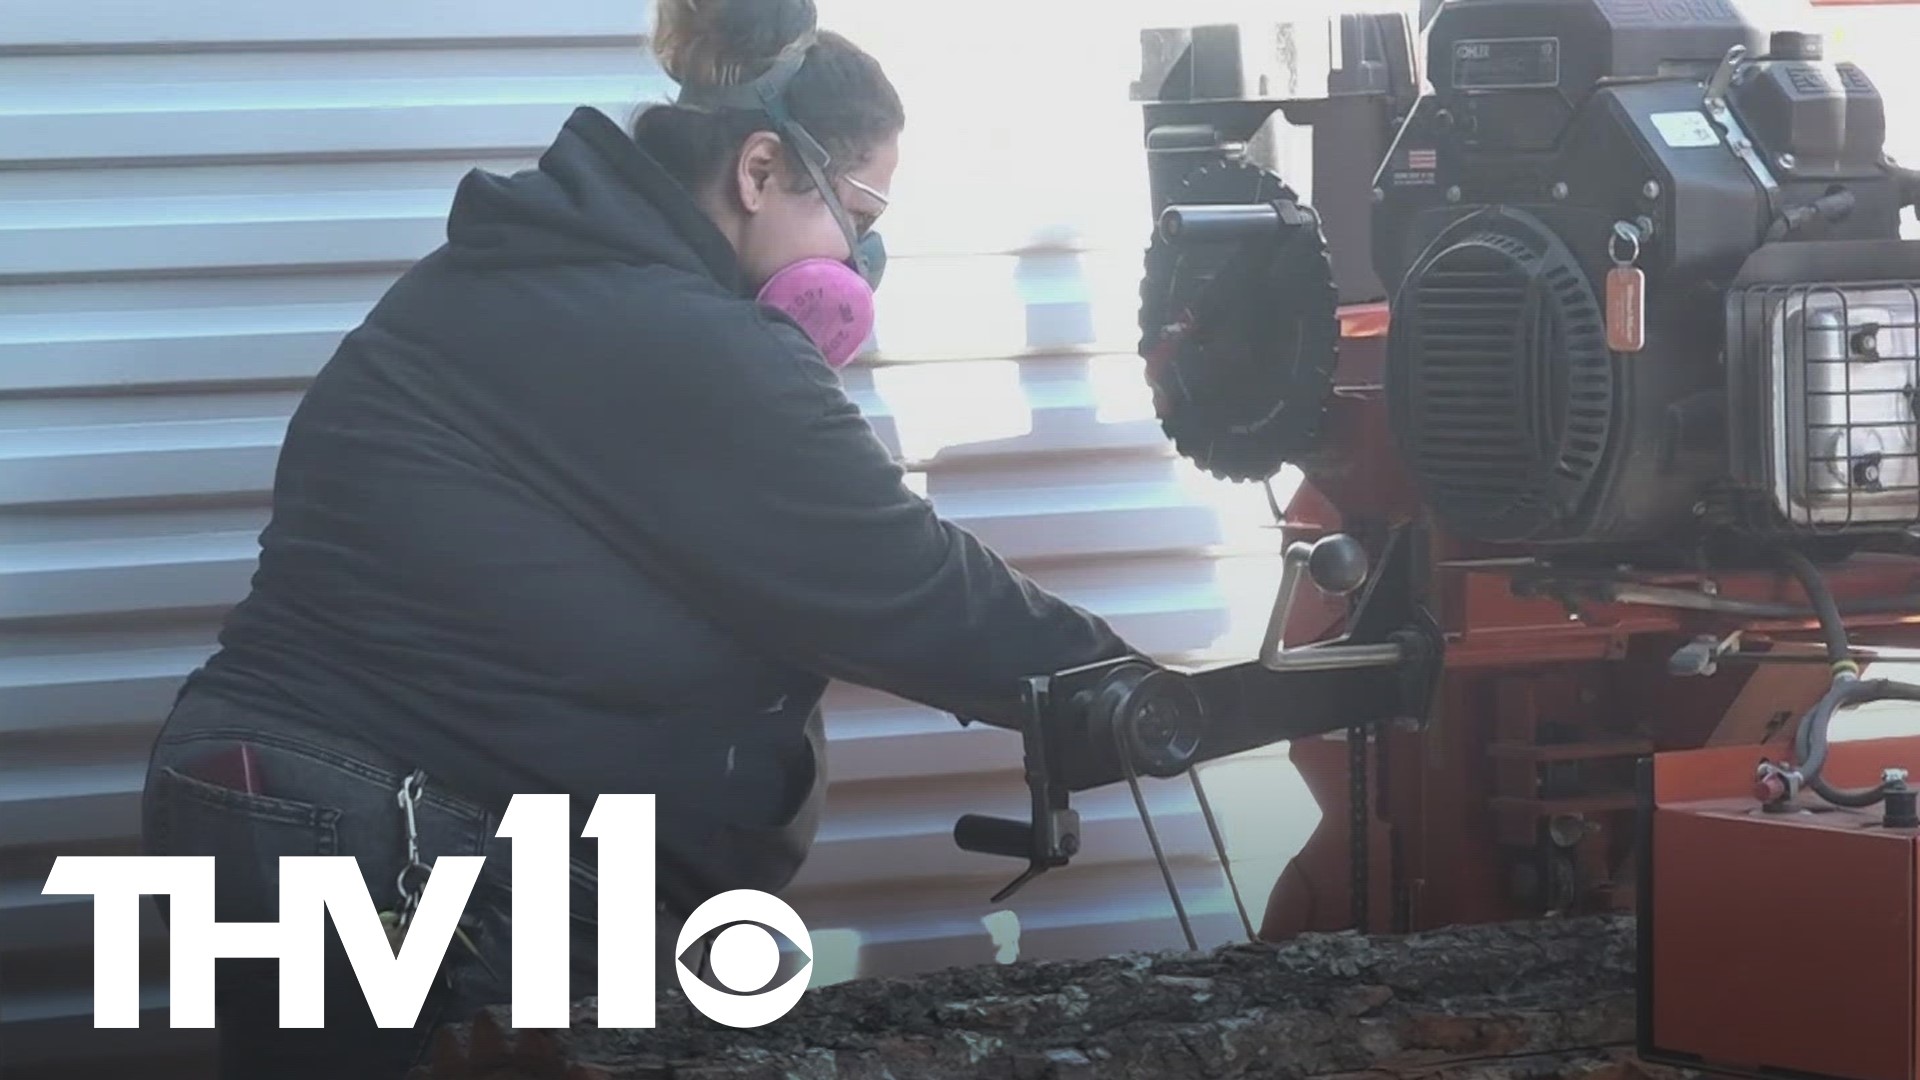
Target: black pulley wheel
<point>1151,717</point>
<point>1240,337</point>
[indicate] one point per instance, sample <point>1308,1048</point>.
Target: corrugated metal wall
<point>198,198</point>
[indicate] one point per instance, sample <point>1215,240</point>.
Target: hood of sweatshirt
<point>595,196</point>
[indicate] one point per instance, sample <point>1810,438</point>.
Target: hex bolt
<point>1650,189</point>
<point>1559,190</point>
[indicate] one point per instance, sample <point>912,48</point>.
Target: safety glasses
<point>768,94</point>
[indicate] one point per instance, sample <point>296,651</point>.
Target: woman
<point>573,511</point>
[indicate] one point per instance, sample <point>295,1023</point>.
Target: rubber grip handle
<point>994,836</point>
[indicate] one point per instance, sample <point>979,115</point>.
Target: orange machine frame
<point>1454,812</point>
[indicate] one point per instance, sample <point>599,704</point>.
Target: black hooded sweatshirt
<point>571,512</point>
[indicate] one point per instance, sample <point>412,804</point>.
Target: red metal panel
<point>1780,942</point>
<point>1783,941</point>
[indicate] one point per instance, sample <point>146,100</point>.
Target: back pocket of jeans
<point>246,834</point>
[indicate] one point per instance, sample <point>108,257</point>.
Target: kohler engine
<point>1648,272</point>
<point>1644,270</point>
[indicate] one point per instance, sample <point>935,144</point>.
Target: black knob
<point>1901,811</point>
<point>1337,564</point>
<point>1795,45</point>
<point>1152,716</point>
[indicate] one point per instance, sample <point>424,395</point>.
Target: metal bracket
<point>1337,566</point>
<point>1702,655</point>
<point>1720,111</point>
<point>1051,836</point>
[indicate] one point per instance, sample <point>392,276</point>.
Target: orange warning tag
<point>1626,309</point>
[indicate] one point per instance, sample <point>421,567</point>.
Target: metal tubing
<point>1293,567</point>
<point>1667,596</point>
<point>1335,657</point>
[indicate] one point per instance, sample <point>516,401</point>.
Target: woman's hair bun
<point>726,42</point>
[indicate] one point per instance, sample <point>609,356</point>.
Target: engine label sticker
<point>1685,130</point>
<point>1416,167</point>
<point>1507,64</point>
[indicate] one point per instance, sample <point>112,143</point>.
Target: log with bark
<point>1515,1001</point>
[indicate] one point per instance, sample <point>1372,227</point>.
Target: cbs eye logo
<point>744,958</point>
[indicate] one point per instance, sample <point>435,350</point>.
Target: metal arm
<point>1337,565</point>
<point>1118,720</point>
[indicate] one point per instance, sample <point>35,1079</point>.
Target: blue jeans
<point>321,794</point>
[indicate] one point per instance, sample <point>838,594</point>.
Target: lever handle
<point>994,836</point>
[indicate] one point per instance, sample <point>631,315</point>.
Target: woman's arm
<point>789,522</point>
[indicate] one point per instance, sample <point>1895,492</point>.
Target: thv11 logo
<point>396,984</point>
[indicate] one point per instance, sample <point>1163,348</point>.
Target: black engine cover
<point>1500,383</point>
<point>1495,210</point>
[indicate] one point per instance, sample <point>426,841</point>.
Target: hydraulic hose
<point>1832,630</point>
<point>1810,743</point>
<point>1848,689</point>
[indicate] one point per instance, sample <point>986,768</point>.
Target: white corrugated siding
<point>198,198</point>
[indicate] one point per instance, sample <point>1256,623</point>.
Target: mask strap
<point>767,94</point>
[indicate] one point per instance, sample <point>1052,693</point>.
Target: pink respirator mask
<point>830,301</point>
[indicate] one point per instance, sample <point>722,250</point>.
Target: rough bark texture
<point>1523,1001</point>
